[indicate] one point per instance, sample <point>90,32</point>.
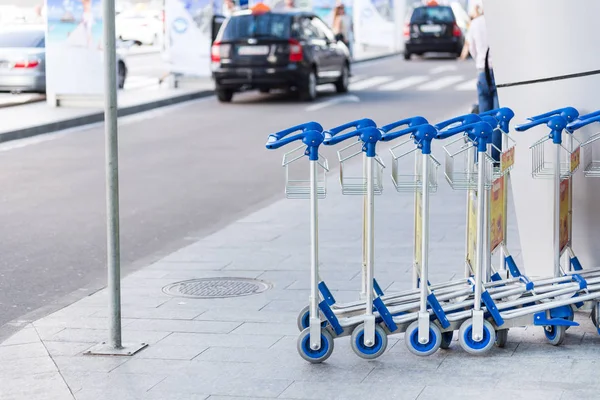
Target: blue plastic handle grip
<point>481,131</point>
<point>590,115</point>
<point>504,115</point>
<point>387,129</point>
<point>580,123</point>
<point>310,133</point>
<point>556,124</point>
<point>369,136</point>
<point>358,124</point>
<point>423,134</point>
<point>568,113</point>
<point>463,119</point>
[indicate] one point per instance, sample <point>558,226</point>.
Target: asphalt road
<point>186,171</point>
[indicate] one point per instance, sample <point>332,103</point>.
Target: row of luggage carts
<point>484,304</point>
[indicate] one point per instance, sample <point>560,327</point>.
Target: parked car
<point>143,28</point>
<point>23,60</point>
<point>263,49</point>
<point>432,28</point>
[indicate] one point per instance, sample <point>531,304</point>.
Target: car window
<point>307,30</point>
<point>263,25</point>
<point>322,29</point>
<point>433,14</point>
<point>22,39</point>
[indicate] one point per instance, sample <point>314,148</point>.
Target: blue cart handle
<point>581,122</point>
<point>568,113</point>
<point>311,134</point>
<point>590,115</point>
<point>423,134</point>
<point>369,135</point>
<point>481,132</point>
<point>390,134</point>
<point>463,119</point>
<point>556,124</point>
<point>358,124</point>
<point>503,115</point>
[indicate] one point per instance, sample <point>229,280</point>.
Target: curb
<point>98,117</point>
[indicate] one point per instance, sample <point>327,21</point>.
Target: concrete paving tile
<point>221,340</point>
<point>22,351</point>
<point>147,366</point>
<point>166,352</point>
<point>461,393</point>
<point>24,336</point>
<point>579,394</point>
<point>350,391</point>
<point>186,266</point>
<point>70,322</point>
<point>233,314</point>
<point>217,397</point>
<point>100,335</point>
<point>88,363</point>
<point>270,328</point>
<point>155,313</point>
<point>224,386</point>
<point>244,303</point>
<point>112,384</point>
<point>96,394</point>
<point>27,366</point>
<point>183,326</point>
<point>43,386</point>
<point>247,355</point>
<point>68,349</point>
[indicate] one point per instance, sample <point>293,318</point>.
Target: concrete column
<point>551,41</point>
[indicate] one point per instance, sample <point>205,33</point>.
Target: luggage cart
<point>315,342</point>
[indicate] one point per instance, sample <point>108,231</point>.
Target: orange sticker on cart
<point>564,214</point>
<point>472,228</point>
<point>497,214</point>
<point>508,159</point>
<point>575,158</point>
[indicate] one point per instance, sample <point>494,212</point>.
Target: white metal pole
<point>369,339</point>
<point>112,173</point>
<point>557,212</point>
<point>423,334</point>
<point>314,319</point>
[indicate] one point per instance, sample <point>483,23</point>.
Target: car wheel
<point>341,86</point>
<point>406,56</point>
<point>121,75</point>
<point>225,95</point>
<point>309,91</point>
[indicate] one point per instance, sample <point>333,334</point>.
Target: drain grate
<point>210,288</point>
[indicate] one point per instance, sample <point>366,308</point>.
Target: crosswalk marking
<point>370,82</point>
<point>443,68</point>
<point>468,85</point>
<point>403,83</point>
<point>441,83</point>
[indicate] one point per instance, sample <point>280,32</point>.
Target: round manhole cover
<point>210,288</point>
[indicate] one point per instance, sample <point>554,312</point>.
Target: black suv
<point>264,50</point>
<point>432,29</point>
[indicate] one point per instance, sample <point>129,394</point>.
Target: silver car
<point>23,60</point>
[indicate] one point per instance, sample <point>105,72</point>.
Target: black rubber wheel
<point>407,56</point>
<point>225,95</point>
<point>121,75</point>
<point>341,86</point>
<point>308,91</point>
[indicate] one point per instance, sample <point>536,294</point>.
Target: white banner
<point>74,48</point>
<point>188,25</point>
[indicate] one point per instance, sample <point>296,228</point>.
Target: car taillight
<point>215,52</point>
<point>407,30</point>
<point>296,54</point>
<point>456,31</point>
<point>26,64</point>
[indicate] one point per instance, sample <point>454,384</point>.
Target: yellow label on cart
<point>564,214</point>
<point>418,225</point>
<point>497,214</point>
<point>472,227</point>
<point>575,158</point>
<point>508,159</point>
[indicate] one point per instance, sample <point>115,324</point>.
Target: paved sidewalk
<point>245,347</point>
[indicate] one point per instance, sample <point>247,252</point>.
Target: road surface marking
<point>370,82</point>
<point>441,83</point>
<point>443,68</point>
<point>468,85</point>
<point>332,102</point>
<point>404,83</point>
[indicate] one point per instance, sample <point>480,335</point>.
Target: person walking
<point>477,38</point>
<point>342,25</point>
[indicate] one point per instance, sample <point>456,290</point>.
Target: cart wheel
<point>555,334</point>
<point>570,318</point>
<point>303,320</point>
<point>593,315</point>
<point>465,337</point>
<point>411,338</point>
<point>501,338</point>
<point>446,340</point>
<point>315,356</point>
<point>363,351</point>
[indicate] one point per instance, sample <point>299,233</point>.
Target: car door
<point>336,55</point>
<point>318,45</point>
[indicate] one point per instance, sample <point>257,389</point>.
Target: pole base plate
<point>105,349</point>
